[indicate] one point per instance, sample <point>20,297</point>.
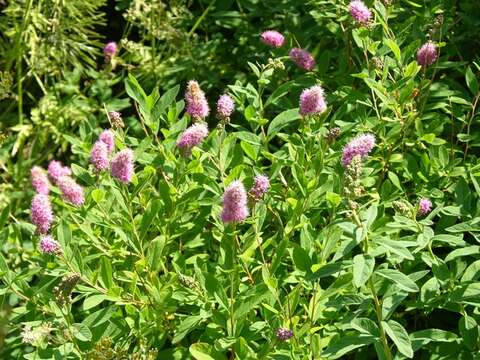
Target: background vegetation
<point>302,249</point>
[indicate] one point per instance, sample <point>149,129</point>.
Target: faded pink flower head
<point>39,180</point>
<point>197,105</point>
<point>360,145</point>
<point>48,245</point>
<point>302,58</point>
<point>234,203</point>
<point>122,166</point>
<point>108,138</point>
<point>427,54</point>
<point>312,101</point>
<point>99,156</point>
<point>71,191</point>
<point>192,136</point>
<point>56,170</point>
<point>424,206</point>
<point>42,214</point>
<point>110,49</point>
<point>260,187</point>
<point>272,38</point>
<point>360,12</point>
<point>225,106</point>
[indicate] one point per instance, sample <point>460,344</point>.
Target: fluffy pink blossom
<point>42,214</point>
<point>71,191</point>
<point>56,170</point>
<point>108,138</point>
<point>360,12</point>
<point>234,203</point>
<point>424,206</point>
<point>427,54</point>
<point>99,156</point>
<point>302,58</point>
<point>312,101</point>
<point>225,106</point>
<point>122,166</point>
<point>39,180</point>
<point>272,38</point>
<point>360,145</point>
<point>260,187</point>
<point>192,136</point>
<point>197,105</point>
<point>48,245</point>
<point>110,49</point>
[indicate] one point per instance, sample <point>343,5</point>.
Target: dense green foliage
<point>149,270</point>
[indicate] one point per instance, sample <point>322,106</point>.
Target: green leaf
<point>301,259</point>
<point>399,336</point>
<point>282,120</point>
<point>4,216</point>
<point>395,49</point>
<point>93,301</point>
<point>82,332</point>
<point>135,91</point>
<point>345,344</point>
<point>365,326</point>
<point>363,266</point>
<point>204,351</point>
<point>167,99</point>
<point>148,216</point>
<point>400,279</point>
<point>472,81</point>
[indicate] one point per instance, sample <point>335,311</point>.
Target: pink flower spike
<point>99,156</point>
<point>312,101</point>
<point>234,203</point>
<point>272,38</point>
<point>302,58</point>
<point>110,49</point>
<point>42,214</point>
<point>197,105</point>
<point>39,180</point>
<point>71,191</point>
<point>424,206</point>
<point>427,54</point>
<point>360,145</point>
<point>360,12</point>
<point>260,187</point>
<point>108,138</point>
<point>192,136</point>
<point>48,245</point>
<point>122,166</point>
<point>225,107</point>
<point>56,170</point>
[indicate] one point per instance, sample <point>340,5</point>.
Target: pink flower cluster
<point>424,206</point>
<point>192,136</point>
<point>260,186</point>
<point>361,145</point>
<point>225,107</point>
<point>427,54</point>
<point>41,208</point>
<point>272,38</point>
<point>39,180</point>
<point>312,101</point>
<point>197,105</point>
<point>234,203</point>
<point>48,245</point>
<point>101,150</point>
<point>302,58</point>
<point>109,51</point>
<point>122,166</point>
<point>235,198</point>
<point>360,12</point>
